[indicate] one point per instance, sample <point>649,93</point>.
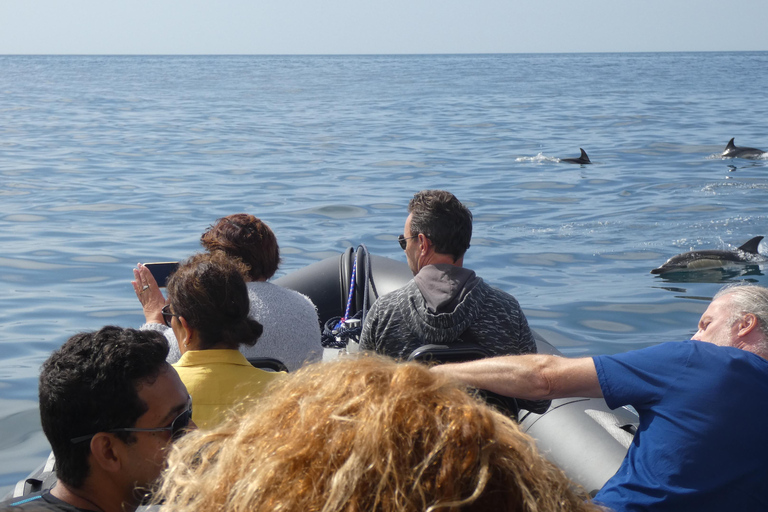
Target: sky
<point>281,27</point>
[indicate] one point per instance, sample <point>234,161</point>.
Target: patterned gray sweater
<point>444,304</point>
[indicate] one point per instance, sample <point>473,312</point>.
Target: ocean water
<point>108,161</point>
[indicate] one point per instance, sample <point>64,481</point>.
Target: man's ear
<point>424,244</point>
<point>104,452</point>
<point>747,324</point>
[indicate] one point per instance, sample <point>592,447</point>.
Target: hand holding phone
<point>148,291</point>
<point>162,270</point>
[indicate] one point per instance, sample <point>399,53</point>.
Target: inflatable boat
<point>581,435</point>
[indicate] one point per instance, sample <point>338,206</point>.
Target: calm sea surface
<point>108,161</point>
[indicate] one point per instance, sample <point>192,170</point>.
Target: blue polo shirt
<point>702,442</point>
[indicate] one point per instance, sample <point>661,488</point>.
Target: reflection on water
<point>334,212</point>
<point>723,275</point>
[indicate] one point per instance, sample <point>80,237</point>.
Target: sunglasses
<point>177,428</point>
<point>167,315</point>
<point>402,240</point>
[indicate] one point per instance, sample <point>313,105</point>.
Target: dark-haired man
<point>109,405</point>
<point>702,405</point>
<point>445,302</point>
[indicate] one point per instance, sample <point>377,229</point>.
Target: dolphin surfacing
<point>583,159</point>
<point>733,151</point>
<point>711,258</point>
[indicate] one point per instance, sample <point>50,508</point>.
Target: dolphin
<point>711,258</point>
<point>583,159</point>
<point>732,151</point>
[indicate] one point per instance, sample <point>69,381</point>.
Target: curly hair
<point>443,219</point>
<point>248,238</point>
<point>90,385</point>
<point>365,434</point>
<point>209,291</point>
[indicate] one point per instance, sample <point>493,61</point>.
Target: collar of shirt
<point>228,356</point>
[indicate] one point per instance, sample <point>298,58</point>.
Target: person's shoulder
<point>261,376</point>
<point>729,356</point>
<point>407,289</point>
<point>495,294</point>
<point>388,302</point>
<point>265,288</point>
<point>23,503</point>
<point>301,298</point>
<point>673,353</point>
<point>39,502</point>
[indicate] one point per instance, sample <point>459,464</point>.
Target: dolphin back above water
<point>733,151</point>
<point>583,159</point>
<point>712,258</point>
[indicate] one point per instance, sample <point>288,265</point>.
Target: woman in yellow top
<point>208,309</point>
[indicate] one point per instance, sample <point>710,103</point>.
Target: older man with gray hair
<point>703,407</point>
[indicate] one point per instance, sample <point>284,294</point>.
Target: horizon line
<point>359,54</point>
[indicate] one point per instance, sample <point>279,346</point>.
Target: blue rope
<point>335,333</point>
<point>349,298</point>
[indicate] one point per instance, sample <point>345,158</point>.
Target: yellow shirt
<point>217,380</point>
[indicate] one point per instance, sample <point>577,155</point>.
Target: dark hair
<point>248,238</point>
<point>439,216</point>
<point>209,291</point>
<point>90,385</point>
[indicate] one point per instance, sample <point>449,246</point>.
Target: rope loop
<point>339,331</point>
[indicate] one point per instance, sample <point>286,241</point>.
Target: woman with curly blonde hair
<point>365,434</point>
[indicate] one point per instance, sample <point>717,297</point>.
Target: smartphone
<point>162,270</point>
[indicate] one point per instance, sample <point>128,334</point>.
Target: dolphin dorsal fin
<point>584,155</point>
<point>730,144</point>
<point>751,245</point>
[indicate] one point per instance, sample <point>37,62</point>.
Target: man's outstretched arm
<point>533,377</point>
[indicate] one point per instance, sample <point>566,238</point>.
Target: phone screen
<point>161,271</point>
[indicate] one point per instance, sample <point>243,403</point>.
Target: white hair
<point>749,299</point>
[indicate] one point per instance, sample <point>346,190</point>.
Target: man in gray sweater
<point>445,303</point>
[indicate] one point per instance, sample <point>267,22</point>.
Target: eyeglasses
<point>402,240</point>
<point>167,315</point>
<point>177,428</point>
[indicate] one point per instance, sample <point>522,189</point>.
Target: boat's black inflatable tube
<point>327,282</point>
<point>582,436</point>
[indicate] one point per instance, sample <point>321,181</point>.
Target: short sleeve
<point>641,377</point>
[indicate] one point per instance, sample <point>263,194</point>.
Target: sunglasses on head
<point>167,315</point>
<point>403,241</point>
<point>177,428</point>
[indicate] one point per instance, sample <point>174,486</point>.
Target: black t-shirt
<point>39,502</point>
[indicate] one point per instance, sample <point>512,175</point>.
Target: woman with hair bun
<point>366,434</point>
<point>208,310</point>
<point>291,328</point>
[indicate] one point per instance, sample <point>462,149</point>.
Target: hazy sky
<point>383,26</point>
